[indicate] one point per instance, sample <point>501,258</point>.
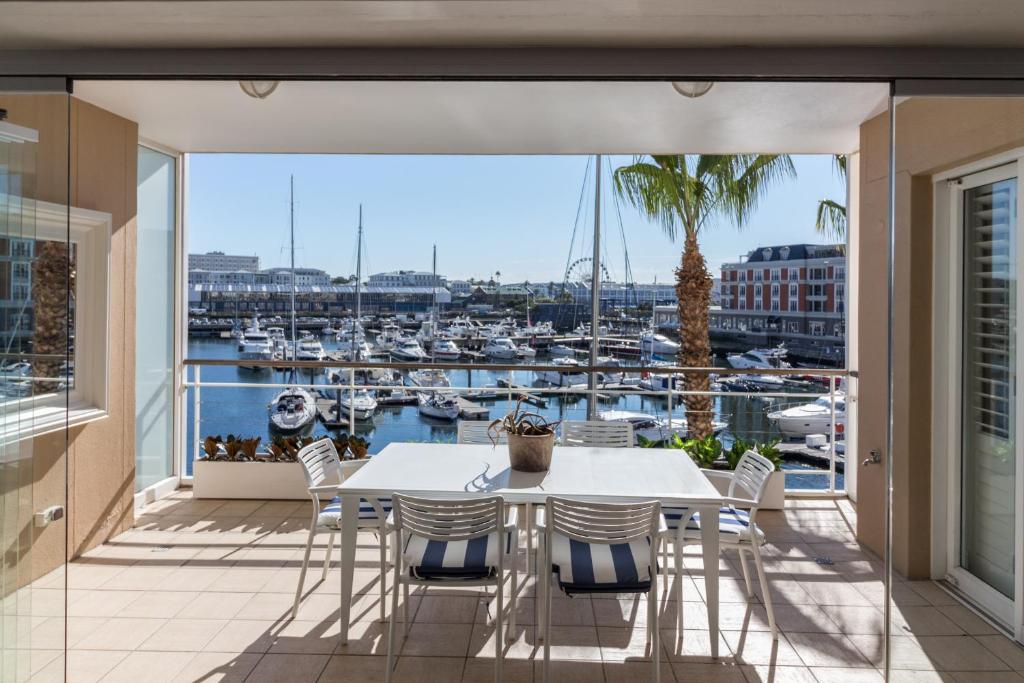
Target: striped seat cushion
<point>601,567</point>
<point>733,524</point>
<point>330,516</point>
<point>476,558</point>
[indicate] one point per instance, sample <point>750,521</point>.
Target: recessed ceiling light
<point>259,90</point>
<point>692,89</point>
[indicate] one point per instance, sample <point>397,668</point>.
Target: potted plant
<point>234,467</point>
<point>531,439</point>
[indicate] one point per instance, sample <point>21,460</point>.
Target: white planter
<point>774,494</point>
<point>256,480</point>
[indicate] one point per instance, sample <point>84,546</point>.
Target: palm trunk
<point>693,289</point>
<point>50,290</point>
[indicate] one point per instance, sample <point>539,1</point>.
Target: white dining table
<point>599,474</point>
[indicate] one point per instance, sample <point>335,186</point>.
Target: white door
<point>985,521</point>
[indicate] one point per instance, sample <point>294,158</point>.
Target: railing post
<point>832,435</point>
<point>196,441</point>
<point>351,401</point>
<point>668,397</point>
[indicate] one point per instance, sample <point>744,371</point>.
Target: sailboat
<point>293,411</point>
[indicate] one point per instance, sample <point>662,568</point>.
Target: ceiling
<point>491,23</point>
<point>447,117</point>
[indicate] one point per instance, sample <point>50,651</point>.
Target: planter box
<point>256,480</point>
<point>774,495</point>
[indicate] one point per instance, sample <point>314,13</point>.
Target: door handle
<point>873,459</point>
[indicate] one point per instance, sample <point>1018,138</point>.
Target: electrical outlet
<point>50,514</point>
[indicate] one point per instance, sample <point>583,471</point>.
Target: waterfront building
<point>327,300</point>
<point>218,260</point>
<point>406,278</point>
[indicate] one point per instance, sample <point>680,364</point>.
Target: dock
<point>472,411</point>
<point>532,399</point>
<point>326,414</point>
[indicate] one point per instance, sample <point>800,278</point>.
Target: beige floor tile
<point>694,646</point>
<point>625,644</point>
<point>924,621</point>
<point>218,667</point>
<point>827,650</point>
<point>984,677</point>
<point>478,670</point>
<point>428,669</point>
<point>185,635</point>
<point>778,674</point>
<point>152,667</point>
<point>243,580</point>
<point>215,605</point>
<point>120,634</point>
<point>1004,648</point>
<point>141,577</point>
<point>856,620</point>
<point>758,648</point>
<point>524,643</point>
<point>291,668</point>
<point>159,604</point>
<point>931,592</point>
<point>437,640</point>
<point>437,608</point>
<point>83,666</point>
<point>242,635</point>
<point>967,620</point>
<point>364,638</point>
<point>962,653</point>
<point>191,577</point>
<point>577,671</point>
<point>353,669</point>
<point>637,672</point>
<point>102,603</point>
<point>846,675</point>
<point>573,642</point>
<point>307,637</point>
<point>907,653</point>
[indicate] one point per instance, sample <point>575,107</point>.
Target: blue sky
<point>513,214</point>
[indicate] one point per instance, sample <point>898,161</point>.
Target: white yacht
<point>501,348</point>
<point>359,403</point>
<point>445,349</point>
<point>543,328</point>
<point>390,336</point>
<point>310,348</point>
<point>562,378</point>
<point>525,351</point>
<point>561,351</point>
<point>275,333</point>
<point>811,418</point>
<point>460,327</point>
<point>349,332</point>
<point>254,332</point>
<point>759,359</point>
<point>653,428</point>
<point>256,350</point>
<point>408,350</point>
<point>583,330</point>
<point>653,344</point>
<point>292,412</point>
<point>430,378</point>
<point>355,351</point>
<point>438,406</point>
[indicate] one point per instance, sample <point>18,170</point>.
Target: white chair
<point>600,548</point>
<point>597,433</point>
<point>736,526</point>
<point>325,470</point>
<point>475,432</point>
<point>453,543</point>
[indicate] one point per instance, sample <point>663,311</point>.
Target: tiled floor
<point>201,591</point>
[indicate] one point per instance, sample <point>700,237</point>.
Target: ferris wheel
<point>581,272</point>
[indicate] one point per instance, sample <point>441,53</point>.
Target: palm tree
<point>686,194</point>
<point>831,218</point>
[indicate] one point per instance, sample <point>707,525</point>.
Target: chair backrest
<point>448,519</point>
<point>320,463</point>
<point>597,433</point>
<point>475,432</point>
<point>610,523</point>
<point>752,472</point>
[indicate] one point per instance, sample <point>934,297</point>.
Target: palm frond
<point>652,188</point>
<point>831,219</point>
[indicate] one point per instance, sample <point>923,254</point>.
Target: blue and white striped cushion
<point>733,524</point>
<point>475,558</point>
<point>330,516</point>
<point>601,567</point>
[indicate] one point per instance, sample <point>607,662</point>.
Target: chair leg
<point>392,630</point>
<point>499,636</point>
<point>528,510</point>
<point>302,574</point>
<point>664,565</point>
<point>383,572</point>
<point>763,580</point>
<point>547,620</point>
<point>327,557</point>
<point>746,572</point>
<point>652,620</point>
<point>677,557</point>
<point>510,631</point>
<point>405,609</point>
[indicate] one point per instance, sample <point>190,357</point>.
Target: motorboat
<point>438,406</point>
<point>567,377</point>
<point>430,378</point>
<point>408,350</point>
<point>811,418</point>
<point>256,350</point>
<point>355,351</point>
<point>460,327</point>
<point>583,330</point>
<point>661,382</point>
<point>359,403</point>
<point>445,349</point>
<point>501,348</point>
<point>540,329</point>
<point>561,351</point>
<point>524,351</point>
<point>749,383</point>
<point>654,344</point>
<point>349,332</point>
<point>310,348</point>
<point>390,336</point>
<point>759,359</point>
<point>651,428</point>
<point>254,332</point>
<point>292,412</point>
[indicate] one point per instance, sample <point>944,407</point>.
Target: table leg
<point>709,541</point>
<point>349,538</point>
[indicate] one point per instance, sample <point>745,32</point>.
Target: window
<point>793,293</point>
<point>840,298</point>
<point>757,292</point>
<point>839,272</point>
<point>794,273</point>
<point>758,275</point>
<point>776,274</point>
<point>743,276</point>
<point>817,328</point>
<point>817,273</point>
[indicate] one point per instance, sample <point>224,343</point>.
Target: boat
<point>561,351</point>
<point>430,378</point>
<point>355,351</point>
<point>749,383</point>
<point>759,359</point>
<point>256,350</point>
<point>254,332</point>
<point>651,428</point>
<point>310,348</point>
<point>292,412</point>
<point>568,377</point>
<point>445,349</point>
<point>438,406</point>
<point>359,403</point>
<point>811,418</point>
<point>540,329</point>
<point>408,350</point>
<point>583,330</point>
<point>653,344</point>
<point>501,348</point>
<point>390,336</point>
<point>609,376</point>
<point>460,327</point>
<point>524,351</point>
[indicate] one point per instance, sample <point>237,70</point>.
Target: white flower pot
<point>774,494</point>
<point>255,480</point>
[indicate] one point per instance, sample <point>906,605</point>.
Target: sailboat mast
<point>595,292</point>
<point>359,280</point>
<point>291,221</point>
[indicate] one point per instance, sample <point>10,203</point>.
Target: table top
<point>445,470</point>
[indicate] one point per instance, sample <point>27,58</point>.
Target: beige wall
<point>932,135</point>
<point>100,456</point>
